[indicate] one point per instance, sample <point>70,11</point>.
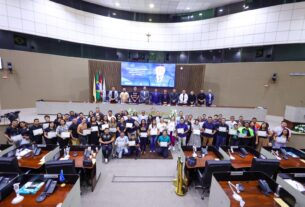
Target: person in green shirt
<point>163,142</point>
<point>246,134</point>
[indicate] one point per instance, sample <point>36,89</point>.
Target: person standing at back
<point>209,98</point>
<point>144,96</point>
<point>174,97</point>
<point>113,95</point>
<point>201,98</point>
<point>134,96</point>
<point>183,98</point>
<point>124,96</point>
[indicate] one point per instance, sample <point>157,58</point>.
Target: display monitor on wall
<point>148,74</point>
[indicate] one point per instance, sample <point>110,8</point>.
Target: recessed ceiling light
<point>188,8</point>
<point>150,19</point>
<point>246,6</point>
<point>220,10</point>
<point>113,13</point>
<point>200,14</point>
<point>151,6</point>
<point>117,4</point>
<point>192,17</point>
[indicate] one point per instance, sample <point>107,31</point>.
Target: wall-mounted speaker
<point>274,77</point>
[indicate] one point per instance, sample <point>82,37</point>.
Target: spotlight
<point>246,6</point>
<point>220,10</point>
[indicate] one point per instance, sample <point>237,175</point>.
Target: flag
<point>100,78</point>
<point>97,87</point>
<point>104,89</point>
<point>94,89</point>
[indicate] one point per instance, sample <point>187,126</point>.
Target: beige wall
<point>42,76</point>
<point>242,84</point>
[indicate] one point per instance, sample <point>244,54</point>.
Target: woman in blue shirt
<point>163,142</point>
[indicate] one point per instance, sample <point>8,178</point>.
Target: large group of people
<point>165,98</point>
<point>123,134</point>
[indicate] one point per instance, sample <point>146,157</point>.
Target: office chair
<point>267,166</point>
<point>211,166</point>
<point>9,164</point>
<point>55,166</point>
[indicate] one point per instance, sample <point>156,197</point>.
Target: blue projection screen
<point>148,74</point>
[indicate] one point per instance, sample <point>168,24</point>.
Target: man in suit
<point>144,96</point>
<point>155,97</point>
<point>174,97</point>
<point>209,98</point>
<point>165,98</point>
<point>113,95</point>
<point>183,98</point>
<point>201,98</point>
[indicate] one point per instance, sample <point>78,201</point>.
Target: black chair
<point>267,166</point>
<point>9,164</point>
<point>55,166</point>
<point>211,166</point>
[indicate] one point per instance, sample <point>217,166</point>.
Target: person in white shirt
<point>171,126</point>
<point>121,144</point>
<point>279,129</point>
<point>195,139</point>
<point>153,132</point>
<point>231,122</point>
<point>161,125</point>
<point>110,115</point>
<point>183,98</point>
<point>143,116</point>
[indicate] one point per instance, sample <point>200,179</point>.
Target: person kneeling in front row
<point>106,141</point>
<point>134,145</point>
<point>163,142</point>
<point>121,144</point>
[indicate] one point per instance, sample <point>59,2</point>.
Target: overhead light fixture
<point>246,6</point>
<point>117,3</point>
<point>113,13</point>
<point>188,8</point>
<point>220,10</point>
<point>151,5</point>
<point>200,14</point>
<point>150,19</point>
<point>192,17</point>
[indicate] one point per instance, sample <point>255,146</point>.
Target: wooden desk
<point>58,196</point>
<point>200,161</point>
<point>33,162</point>
<point>252,195</point>
<point>79,159</point>
<point>291,162</point>
<point>240,162</point>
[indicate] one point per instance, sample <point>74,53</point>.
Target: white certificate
<point>208,131</point>
<point>262,133</point>
<point>112,129</point>
<point>281,140</point>
<point>135,118</point>
<point>68,123</point>
<point>94,128</point>
<point>132,143</point>
<point>196,131</point>
<point>45,125</point>
<point>143,134</point>
<point>222,129</point>
<point>180,130</point>
<point>51,135</point>
<point>153,132</point>
<point>104,126</point>
<point>129,125</point>
<point>233,132</point>
<point>171,128</point>
<point>241,135</point>
<point>163,144</point>
<point>86,131</point>
<point>16,138</point>
<point>37,132</point>
<point>166,120</point>
<point>65,135</point>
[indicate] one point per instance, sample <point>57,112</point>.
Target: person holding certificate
<point>281,140</point>
<point>222,133</point>
<point>246,134</point>
<point>208,131</point>
<point>134,146</point>
<point>130,126</point>
<point>112,127</point>
<point>195,139</point>
<point>63,134</point>
<point>11,131</point>
<point>58,118</point>
<point>121,127</point>
<point>82,131</point>
<point>163,142</point>
<point>171,126</point>
<point>263,135</point>
<point>234,135</point>
<point>50,135</point>
<point>182,130</point>
<point>73,132</point>
<point>106,141</point>
<point>142,131</point>
<point>24,131</point>
<point>36,132</point>
<point>94,136</point>
<point>121,144</point>
<point>153,132</point>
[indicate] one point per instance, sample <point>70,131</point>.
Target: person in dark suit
<point>113,95</point>
<point>174,97</point>
<point>155,97</point>
<point>192,99</point>
<point>209,98</point>
<point>134,96</point>
<point>201,98</point>
<point>144,96</point>
<point>165,98</point>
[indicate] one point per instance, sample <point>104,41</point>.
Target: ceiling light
<point>113,13</point>
<point>192,17</point>
<point>246,6</point>
<point>150,19</point>
<point>220,10</point>
<point>117,4</point>
<point>200,14</point>
<point>188,8</point>
<point>151,6</point>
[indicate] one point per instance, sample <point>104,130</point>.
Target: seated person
<point>106,141</point>
<point>201,98</point>
<point>121,144</point>
<point>163,142</point>
<point>144,96</point>
<point>134,145</point>
<point>174,97</point>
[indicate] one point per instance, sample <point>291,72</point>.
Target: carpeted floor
<point>150,155</point>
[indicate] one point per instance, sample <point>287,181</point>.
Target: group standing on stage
<point>124,134</point>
